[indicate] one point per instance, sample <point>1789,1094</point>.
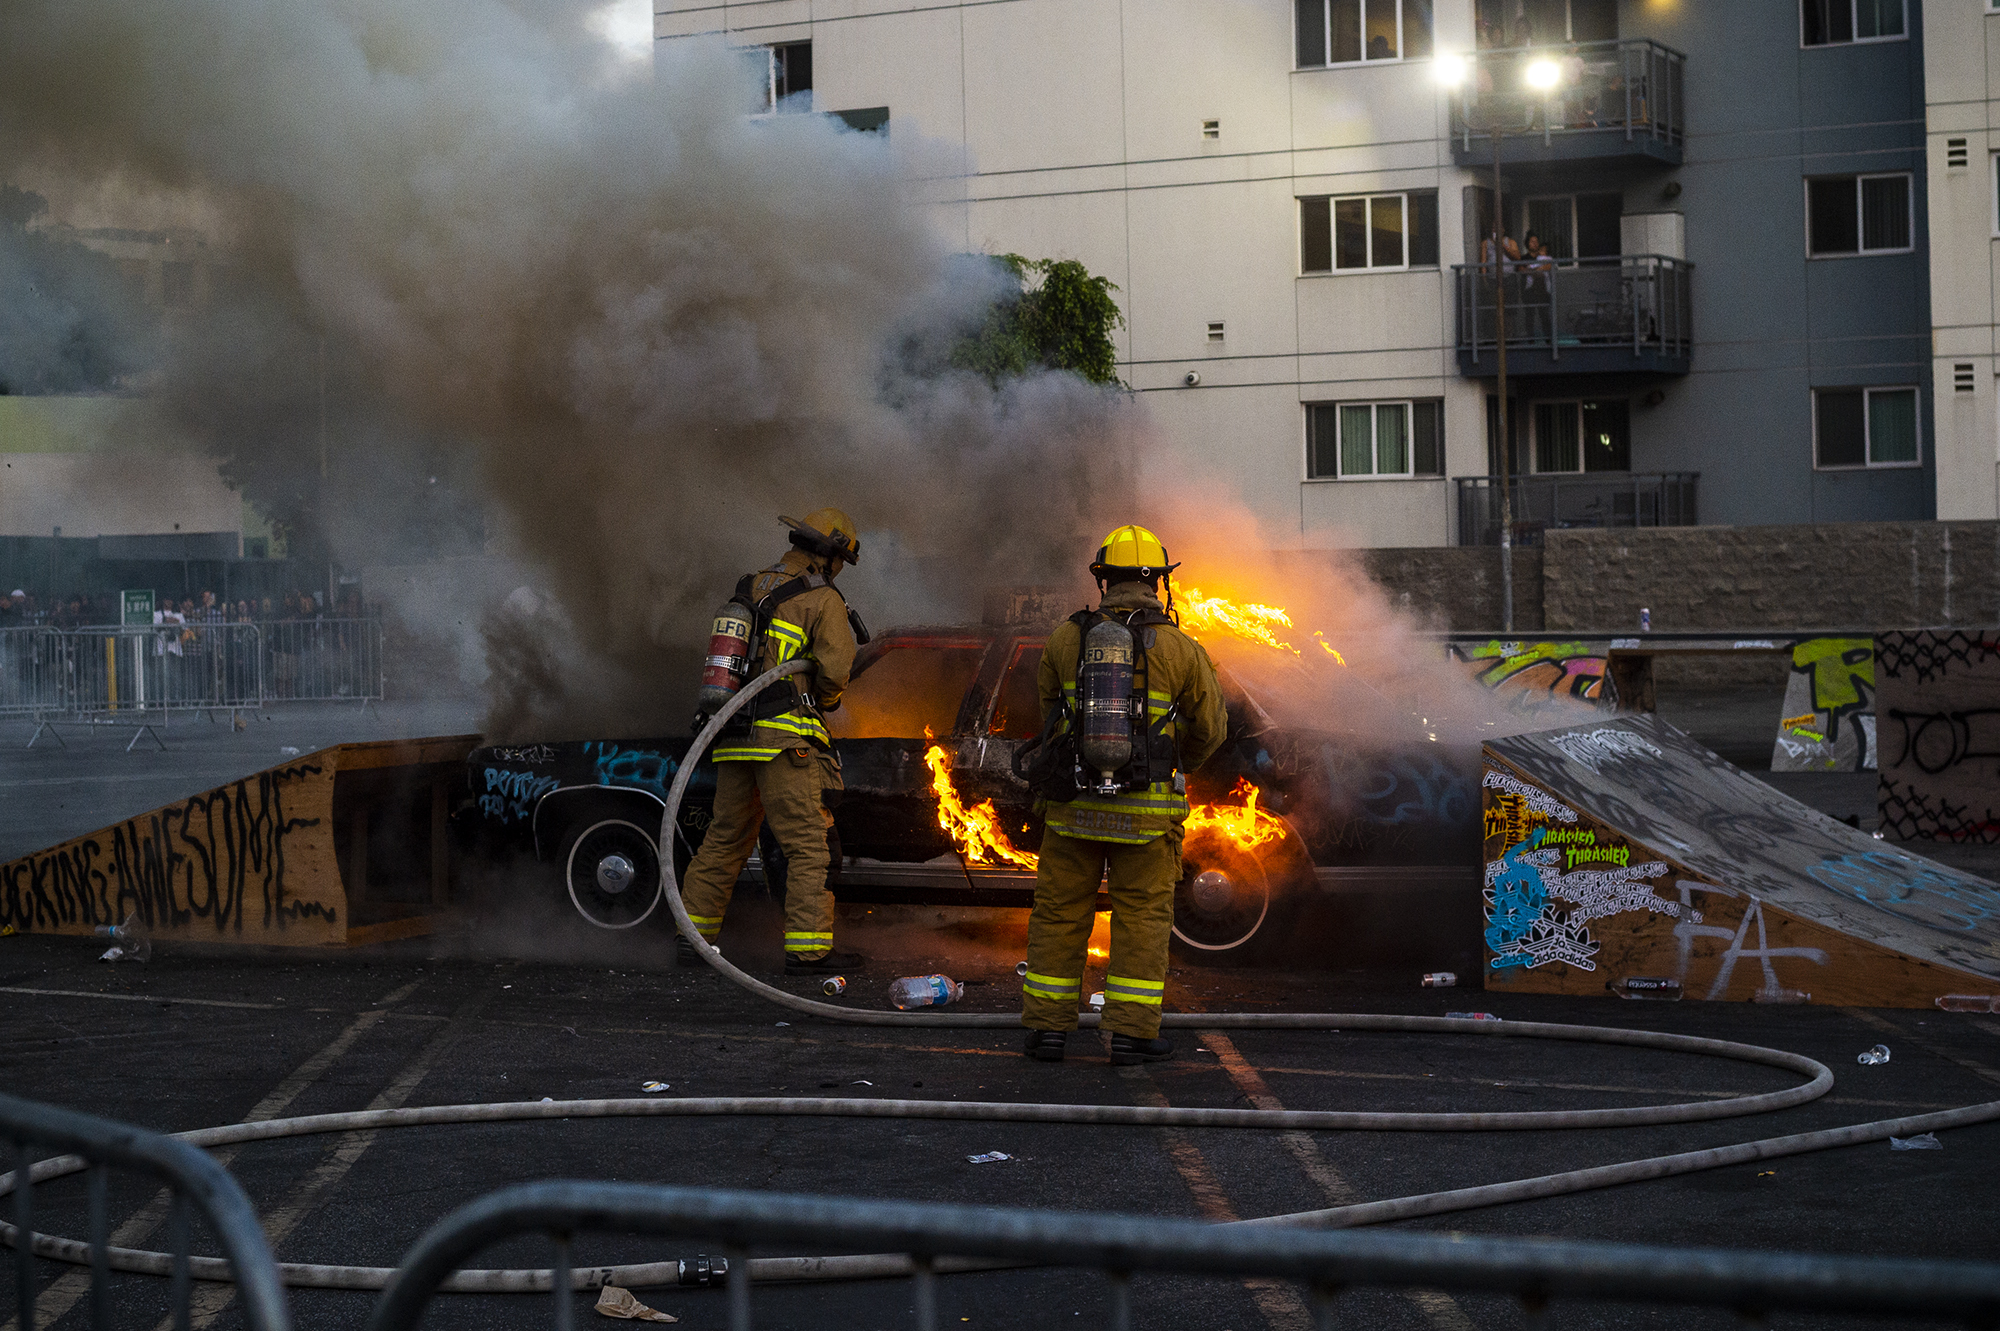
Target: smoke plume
<point>474,252</point>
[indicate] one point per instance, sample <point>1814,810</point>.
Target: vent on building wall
<point>1955,155</point>
<point>1215,330</point>
<point>1211,129</point>
<point>1961,377</point>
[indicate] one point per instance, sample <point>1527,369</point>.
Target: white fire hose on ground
<point>869,1266</point>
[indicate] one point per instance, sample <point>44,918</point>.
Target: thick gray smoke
<point>468,242</point>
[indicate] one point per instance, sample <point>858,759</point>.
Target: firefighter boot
<point>685,955</point>
<point>1046,1046</point>
<point>832,963</point>
<point>1129,1049</point>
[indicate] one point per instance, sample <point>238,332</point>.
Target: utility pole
<point>1542,74</point>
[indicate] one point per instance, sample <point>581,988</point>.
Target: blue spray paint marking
<point>1431,792</point>
<point>641,769</point>
<point>1893,882</point>
<point>513,794</point>
<point>1516,902</point>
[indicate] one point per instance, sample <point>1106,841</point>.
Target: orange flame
<point>1243,619</point>
<point>1245,824</point>
<point>975,830</point>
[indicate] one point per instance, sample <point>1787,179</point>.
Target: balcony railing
<point>1615,99</point>
<point>1574,499</point>
<point>1620,314</point>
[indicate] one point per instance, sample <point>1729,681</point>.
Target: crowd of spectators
<point>25,609</point>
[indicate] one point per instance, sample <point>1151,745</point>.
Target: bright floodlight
<point>1543,75</point>
<point>1451,70</point>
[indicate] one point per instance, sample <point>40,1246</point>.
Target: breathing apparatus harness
<point>1101,742</point>
<point>737,639</point>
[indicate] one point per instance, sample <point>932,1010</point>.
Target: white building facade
<point>1163,144</point>
<point>1962,124</point>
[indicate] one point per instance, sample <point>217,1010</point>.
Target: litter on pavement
<point>1923,1142</point>
<point>616,1302</point>
<point>991,1157</point>
<point>655,1087</point>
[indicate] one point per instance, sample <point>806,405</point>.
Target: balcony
<point>1616,100</point>
<point>1574,499</point>
<point>1626,314</point>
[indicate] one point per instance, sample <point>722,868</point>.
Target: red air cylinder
<point>1104,700</point>
<point>727,666</point>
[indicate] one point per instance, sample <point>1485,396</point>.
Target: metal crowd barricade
<point>194,1180</point>
<point>1325,1261</point>
<point>139,676</point>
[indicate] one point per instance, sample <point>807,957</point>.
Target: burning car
<point>932,812</point>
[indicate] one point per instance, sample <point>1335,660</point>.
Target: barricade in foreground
<point>1325,1262</point>
<point>192,1178</point>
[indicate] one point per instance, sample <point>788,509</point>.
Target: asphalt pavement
<point>516,1002</point>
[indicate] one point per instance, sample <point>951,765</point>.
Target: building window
<point>1583,436</point>
<point>1572,226</point>
<point>1858,215</point>
<point>1836,22</point>
<point>1356,439</point>
<point>1512,23</point>
<point>1368,231</point>
<point>1865,427</point>
<point>1348,32</point>
<point>790,77</point>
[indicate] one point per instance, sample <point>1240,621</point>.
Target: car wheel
<point>612,871</point>
<point>1223,899</point>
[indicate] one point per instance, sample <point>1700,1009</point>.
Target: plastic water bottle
<point>1441,980</point>
<point>1966,1003</point>
<point>915,991</point>
<point>1869,1057</point>
<point>1645,619</point>
<point>129,941</point>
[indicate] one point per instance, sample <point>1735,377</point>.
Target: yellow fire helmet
<point>1131,554</point>
<point>826,532</point>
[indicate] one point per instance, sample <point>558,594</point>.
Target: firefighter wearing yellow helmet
<point>1130,706</point>
<point>779,764</point>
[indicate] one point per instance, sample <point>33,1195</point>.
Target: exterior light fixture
<point>1543,75</point>
<point>1451,70</point>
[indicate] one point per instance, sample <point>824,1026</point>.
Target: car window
<point>906,688</point>
<point>1017,713</point>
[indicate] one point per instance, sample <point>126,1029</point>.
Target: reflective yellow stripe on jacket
<point>772,735</point>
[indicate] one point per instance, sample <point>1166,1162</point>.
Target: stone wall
<point>1864,575</point>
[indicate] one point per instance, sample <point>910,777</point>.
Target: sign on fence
<point>138,609</point>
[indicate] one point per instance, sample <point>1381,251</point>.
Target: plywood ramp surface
<point>1624,849</point>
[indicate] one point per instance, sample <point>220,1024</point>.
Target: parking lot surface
<point>513,1001</point>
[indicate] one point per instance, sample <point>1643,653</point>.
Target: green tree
<point>1061,318</point>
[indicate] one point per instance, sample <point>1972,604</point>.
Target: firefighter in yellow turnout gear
<point>1134,834</point>
<point>782,767</point>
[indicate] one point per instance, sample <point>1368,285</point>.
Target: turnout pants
<point>789,791</point>
<point>1142,882</point>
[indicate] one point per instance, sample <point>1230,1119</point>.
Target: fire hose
<point>869,1266</point>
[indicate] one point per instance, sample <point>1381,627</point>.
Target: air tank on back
<point>1104,700</point>
<point>728,663</point>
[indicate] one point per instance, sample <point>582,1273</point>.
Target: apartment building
<point>1962,112</point>
<point>1729,324</point>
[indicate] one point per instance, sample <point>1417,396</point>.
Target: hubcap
<point>614,874</point>
<point>1212,891</point>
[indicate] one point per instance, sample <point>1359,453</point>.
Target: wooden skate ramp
<point>1623,849</point>
<point>344,845</point>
